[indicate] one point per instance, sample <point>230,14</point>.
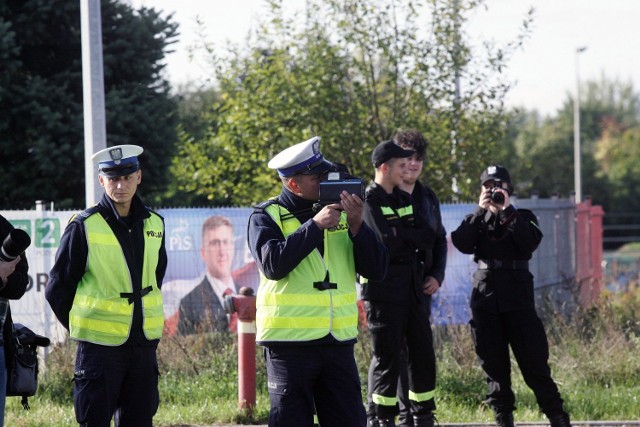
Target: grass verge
<point>594,359</point>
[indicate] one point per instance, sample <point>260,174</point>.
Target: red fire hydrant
<point>245,305</point>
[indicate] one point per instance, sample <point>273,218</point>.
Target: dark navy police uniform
<point>307,325</point>
<point>322,372</point>
<point>105,267</point>
<point>125,376</point>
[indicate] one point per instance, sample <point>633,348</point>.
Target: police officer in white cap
<point>105,289</point>
<point>306,304</point>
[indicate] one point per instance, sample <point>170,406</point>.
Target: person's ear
<point>101,180</point>
<point>293,186</point>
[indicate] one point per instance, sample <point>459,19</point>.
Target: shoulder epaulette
<point>84,214</point>
<point>154,212</point>
<point>260,207</point>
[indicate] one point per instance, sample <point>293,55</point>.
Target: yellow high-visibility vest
<point>99,313</point>
<point>292,309</point>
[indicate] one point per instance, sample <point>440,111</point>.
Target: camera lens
<point>497,197</point>
<point>14,244</point>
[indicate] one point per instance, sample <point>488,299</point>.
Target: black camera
<point>14,244</point>
<point>496,196</point>
<point>336,183</point>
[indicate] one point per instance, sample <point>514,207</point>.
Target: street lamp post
<point>577,168</point>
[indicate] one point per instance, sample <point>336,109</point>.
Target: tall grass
<point>594,359</point>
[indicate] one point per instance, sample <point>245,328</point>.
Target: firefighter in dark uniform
<point>502,240</point>
<point>397,307</point>
<point>433,260</point>
<point>105,289</point>
<point>306,303</point>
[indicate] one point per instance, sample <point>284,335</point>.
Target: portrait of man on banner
<point>195,305</point>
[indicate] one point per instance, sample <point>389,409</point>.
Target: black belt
<point>130,295</point>
<point>504,264</point>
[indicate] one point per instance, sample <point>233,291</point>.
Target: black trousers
<point>322,379</point>
<point>523,331</point>
<point>392,326</point>
<point>119,382</point>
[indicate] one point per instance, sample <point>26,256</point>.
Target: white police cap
<point>118,160</point>
<point>304,158</point>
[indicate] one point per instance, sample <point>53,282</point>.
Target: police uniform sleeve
<point>67,271</point>
<point>16,284</point>
<point>161,268</point>
<point>275,255</point>
<point>465,237</point>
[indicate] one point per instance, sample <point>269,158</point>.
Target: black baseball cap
<point>495,173</point>
<point>388,150</point>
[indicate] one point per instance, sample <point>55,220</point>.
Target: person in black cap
<point>502,240</point>
<point>396,305</point>
<point>104,287</point>
<point>306,304</point>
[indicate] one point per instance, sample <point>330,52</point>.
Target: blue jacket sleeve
<point>67,271</point>
<point>275,255</point>
<point>161,268</point>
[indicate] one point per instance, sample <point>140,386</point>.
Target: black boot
<point>377,422</point>
<point>560,420</point>
<point>424,420</point>
<point>504,419</point>
<point>405,419</point>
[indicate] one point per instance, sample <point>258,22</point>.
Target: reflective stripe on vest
<point>291,309</point>
<point>99,314</point>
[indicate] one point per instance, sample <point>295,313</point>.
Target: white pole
<point>577,167</point>
<point>95,132</point>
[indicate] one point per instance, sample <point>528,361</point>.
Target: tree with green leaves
<point>352,72</point>
<point>41,126</point>
<point>608,110</point>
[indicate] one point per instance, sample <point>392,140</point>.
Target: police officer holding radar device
<point>306,303</point>
<point>502,240</point>
<point>105,289</point>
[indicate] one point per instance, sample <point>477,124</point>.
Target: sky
<point>544,72</point>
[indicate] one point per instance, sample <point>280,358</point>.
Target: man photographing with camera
<point>502,239</point>
<point>306,304</point>
<point>13,284</point>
